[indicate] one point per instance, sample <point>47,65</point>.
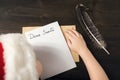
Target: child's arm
<point>77,44</point>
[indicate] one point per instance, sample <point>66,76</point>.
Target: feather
<point>89,27</point>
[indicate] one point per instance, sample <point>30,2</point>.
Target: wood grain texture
<point>105,13</point>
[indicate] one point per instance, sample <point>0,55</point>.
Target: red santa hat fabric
<point>17,58</point>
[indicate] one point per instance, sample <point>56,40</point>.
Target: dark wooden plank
<point>105,13</point>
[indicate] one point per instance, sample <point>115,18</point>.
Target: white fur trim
<point>19,58</point>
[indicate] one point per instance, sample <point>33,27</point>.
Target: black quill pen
<point>89,27</point>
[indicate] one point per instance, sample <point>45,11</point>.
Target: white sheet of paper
<point>51,49</point>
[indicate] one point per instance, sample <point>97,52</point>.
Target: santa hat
<point>17,58</point>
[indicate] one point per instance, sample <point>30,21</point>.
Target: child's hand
<point>75,41</point>
<point>77,44</point>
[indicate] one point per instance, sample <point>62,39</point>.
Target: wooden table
<point>105,13</point>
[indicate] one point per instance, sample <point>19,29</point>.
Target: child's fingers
<point>69,43</point>
<point>76,33</point>
<point>69,34</point>
<point>68,39</point>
